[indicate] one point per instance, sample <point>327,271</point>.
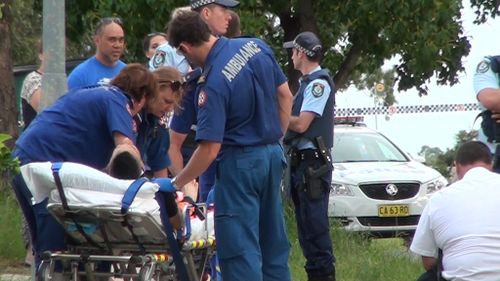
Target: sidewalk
<point>14,277</point>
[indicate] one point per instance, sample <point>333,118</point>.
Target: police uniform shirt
<point>484,77</point>
<point>316,95</point>
<point>92,72</point>
<point>237,100</point>
<point>79,128</point>
<point>166,55</point>
<point>153,142</point>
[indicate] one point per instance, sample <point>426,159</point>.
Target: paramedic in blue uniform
<point>312,117</point>
<point>182,136</point>
<point>244,107</point>
<point>487,88</point>
<point>153,138</point>
<point>217,15</point>
<point>83,127</point>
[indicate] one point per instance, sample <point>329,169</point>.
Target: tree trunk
<point>292,25</point>
<point>8,110</point>
<point>347,66</point>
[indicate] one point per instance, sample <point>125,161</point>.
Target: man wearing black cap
<point>310,137</point>
<point>215,13</point>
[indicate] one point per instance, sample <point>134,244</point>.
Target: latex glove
<point>165,184</point>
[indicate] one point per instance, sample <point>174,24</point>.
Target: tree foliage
<point>8,112</point>
<point>443,160</point>
<point>424,36</point>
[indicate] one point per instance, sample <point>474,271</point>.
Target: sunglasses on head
<point>174,85</point>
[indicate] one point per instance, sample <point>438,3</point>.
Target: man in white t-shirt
<point>460,220</point>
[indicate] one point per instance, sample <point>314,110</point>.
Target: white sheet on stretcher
<point>90,198</point>
<point>40,181</point>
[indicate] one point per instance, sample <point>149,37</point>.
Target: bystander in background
<point>31,91</point>
<point>100,69</point>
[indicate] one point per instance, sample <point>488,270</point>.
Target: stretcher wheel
<point>146,272</point>
<point>44,272</point>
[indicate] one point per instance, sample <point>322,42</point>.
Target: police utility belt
<point>308,155</point>
<point>304,155</point>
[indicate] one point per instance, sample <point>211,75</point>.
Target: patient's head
<point>125,163</point>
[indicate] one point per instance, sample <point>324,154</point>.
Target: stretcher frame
<point>134,244</point>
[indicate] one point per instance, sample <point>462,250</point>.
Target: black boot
<point>329,277</point>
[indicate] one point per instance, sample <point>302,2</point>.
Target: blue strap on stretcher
<point>130,194</point>
<point>127,200</point>
<point>180,267</point>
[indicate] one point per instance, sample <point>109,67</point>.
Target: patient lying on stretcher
<point>85,186</point>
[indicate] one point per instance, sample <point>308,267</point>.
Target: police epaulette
<point>495,63</point>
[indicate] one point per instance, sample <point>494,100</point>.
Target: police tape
<point>390,110</point>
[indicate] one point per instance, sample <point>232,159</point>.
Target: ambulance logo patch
<point>159,59</point>
<point>482,67</point>
<point>318,89</point>
<point>202,98</point>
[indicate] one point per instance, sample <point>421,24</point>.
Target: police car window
<point>364,147</point>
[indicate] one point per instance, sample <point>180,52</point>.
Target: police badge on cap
<point>306,42</point>
<point>195,4</point>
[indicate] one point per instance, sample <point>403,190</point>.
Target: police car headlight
<point>340,189</point>
<point>436,184</point>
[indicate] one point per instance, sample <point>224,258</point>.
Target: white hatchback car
<point>376,187</point>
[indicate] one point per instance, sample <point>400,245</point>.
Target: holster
<point>293,153</point>
<point>312,182</point>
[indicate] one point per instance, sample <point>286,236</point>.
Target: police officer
<point>215,13</point>
<point>310,136</point>
<point>487,89</point>
<point>243,104</point>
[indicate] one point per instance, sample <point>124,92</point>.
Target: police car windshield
<point>365,147</point>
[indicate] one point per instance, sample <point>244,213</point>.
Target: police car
<point>377,188</point>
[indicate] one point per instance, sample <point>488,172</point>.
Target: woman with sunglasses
<point>83,126</point>
<point>151,42</point>
<point>153,139</point>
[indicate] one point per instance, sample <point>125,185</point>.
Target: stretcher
<point>112,235</point>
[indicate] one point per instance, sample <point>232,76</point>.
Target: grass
<point>11,245</point>
<point>358,258</point>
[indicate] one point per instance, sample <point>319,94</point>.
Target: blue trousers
<point>312,221</point>
<point>252,244</point>
<point>46,233</point>
<point>206,182</point>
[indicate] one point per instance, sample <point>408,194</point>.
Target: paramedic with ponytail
<point>83,126</point>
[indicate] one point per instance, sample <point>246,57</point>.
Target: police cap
<point>195,4</point>
<point>306,42</point>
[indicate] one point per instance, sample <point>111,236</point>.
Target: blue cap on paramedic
<point>195,4</point>
<point>306,42</point>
